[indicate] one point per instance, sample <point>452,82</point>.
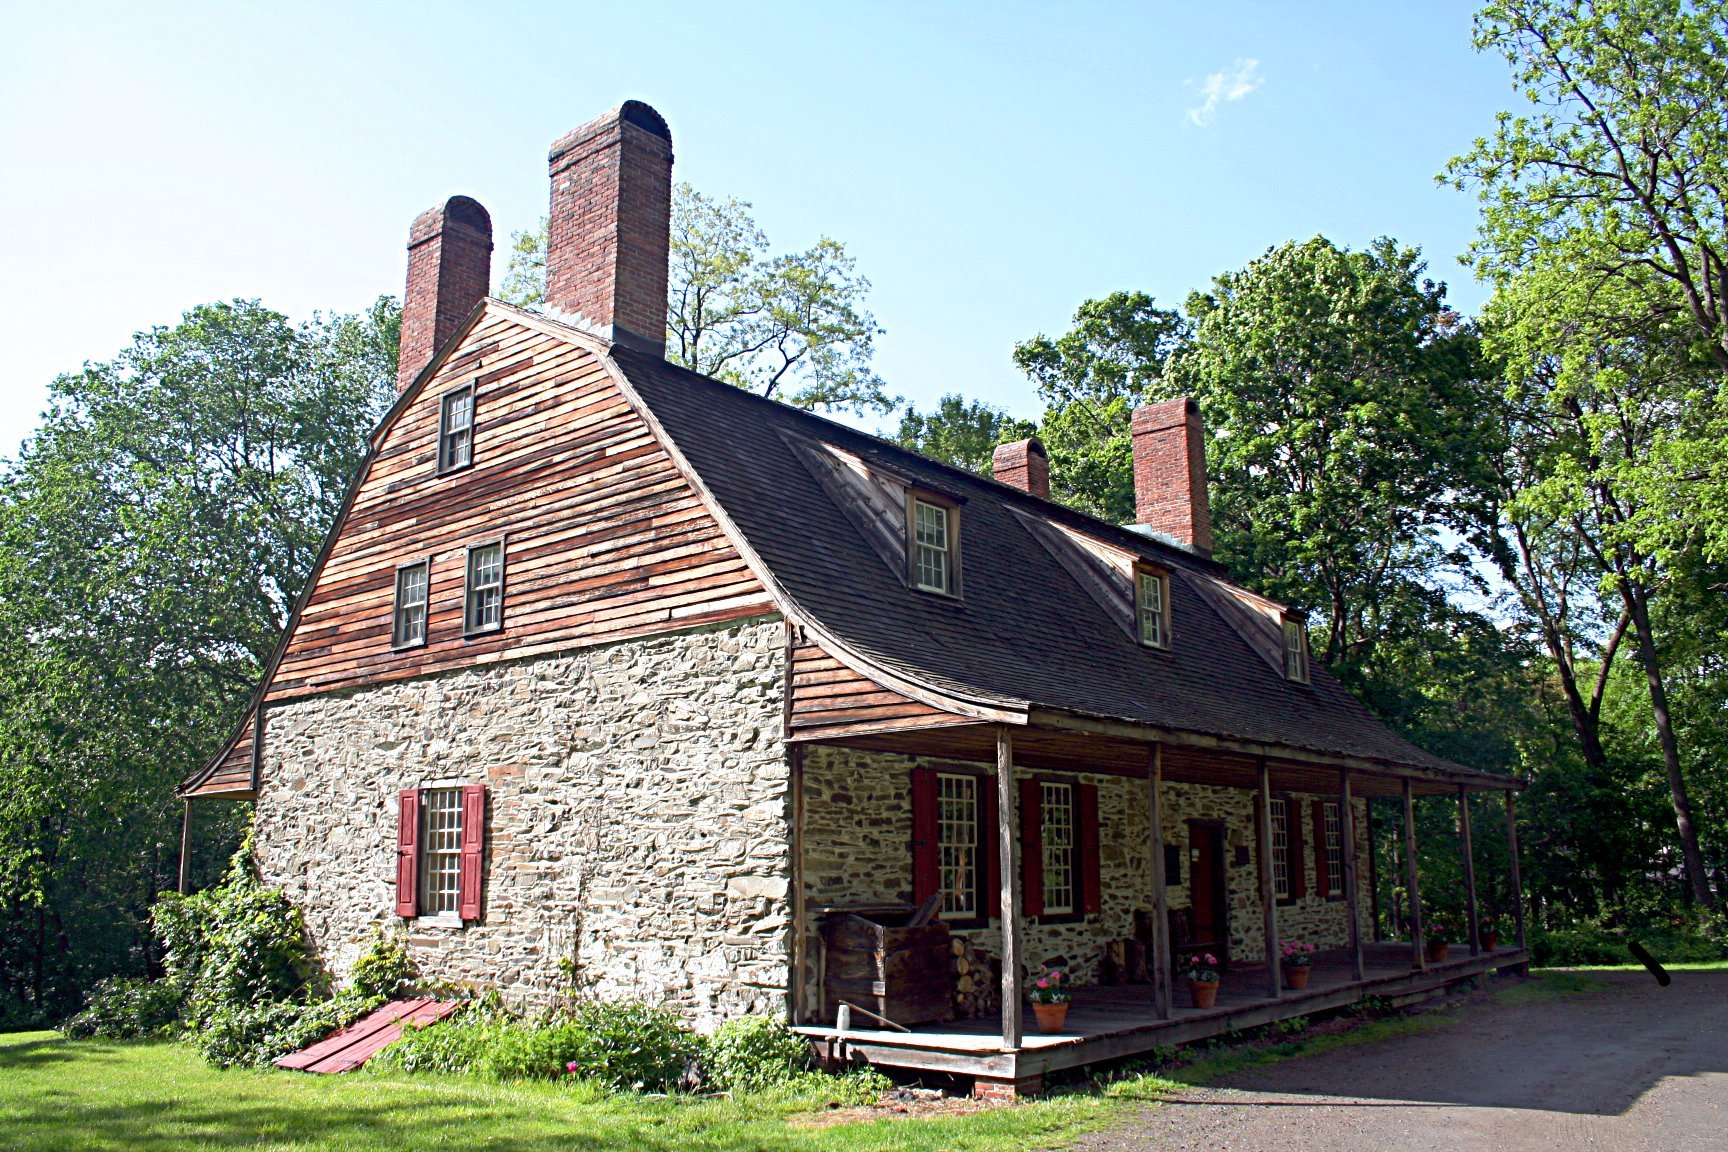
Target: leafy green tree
<point>156,530</point>
<point>1091,378</point>
<point>961,432</point>
<point>790,326</point>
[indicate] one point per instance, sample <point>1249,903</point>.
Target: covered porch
<point>1151,877</point>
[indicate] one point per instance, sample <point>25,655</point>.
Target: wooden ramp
<point>347,1048</point>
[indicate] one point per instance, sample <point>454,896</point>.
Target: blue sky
<point>990,166</point>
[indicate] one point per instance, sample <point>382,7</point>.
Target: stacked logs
<point>977,981</point>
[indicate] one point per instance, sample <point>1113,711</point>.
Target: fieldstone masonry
<point>858,850</point>
<point>637,819</point>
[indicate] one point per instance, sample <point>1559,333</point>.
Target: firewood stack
<point>977,981</point>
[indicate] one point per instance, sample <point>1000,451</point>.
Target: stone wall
<point>637,819</point>
<point>858,851</point>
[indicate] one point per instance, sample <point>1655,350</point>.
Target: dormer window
<point>1295,649</point>
<point>933,544</point>
<point>456,429</point>
<point>1152,606</point>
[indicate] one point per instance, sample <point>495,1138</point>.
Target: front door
<point>1206,890</point>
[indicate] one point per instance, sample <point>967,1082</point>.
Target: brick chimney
<point>1170,472</point>
<point>1023,465</point>
<point>609,236</point>
<point>449,272</point>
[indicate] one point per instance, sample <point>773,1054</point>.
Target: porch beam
<point>1008,860</point>
<point>1347,834</point>
<point>185,846</point>
<point>1469,871</point>
<point>1161,983</point>
<point>1268,897</point>
<point>1419,959</point>
<point>1517,884</point>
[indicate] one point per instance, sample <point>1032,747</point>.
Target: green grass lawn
<point>63,1096</point>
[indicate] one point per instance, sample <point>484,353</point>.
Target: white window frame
<point>453,434</point>
<point>1278,811</point>
<point>1295,649</point>
<point>473,591</point>
<point>959,845</point>
<point>1058,832</point>
<point>401,610</point>
<point>947,552</point>
<point>1331,818</point>
<point>1152,622</point>
<point>440,895</point>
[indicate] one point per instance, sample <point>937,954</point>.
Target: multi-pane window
<point>456,429</point>
<point>1295,650</point>
<point>1334,850</point>
<point>957,844</point>
<point>1280,812</point>
<point>1154,608</point>
<point>483,607</point>
<point>441,856</point>
<point>409,622</point>
<point>932,546</point>
<point>1057,810</point>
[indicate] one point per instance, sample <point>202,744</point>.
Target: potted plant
<point>1202,973</point>
<point>1488,931</point>
<point>1439,940</point>
<point>1298,960</point>
<point>1050,996</point>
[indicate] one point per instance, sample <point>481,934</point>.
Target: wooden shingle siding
<point>829,699</point>
<point>233,770</point>
<point>604,540</point>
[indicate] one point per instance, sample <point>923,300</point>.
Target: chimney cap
<point>463,210</point>
<point>634,112</point>
<point>1030,444</point>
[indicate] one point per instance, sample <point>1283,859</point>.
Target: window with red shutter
<point>990,839</point>
<point>1032,847</point>
<point>473,851</point>
<point>408,853</point>
<point>1091,886</point>
<point>1322,875</point>
<point>1298,860</point>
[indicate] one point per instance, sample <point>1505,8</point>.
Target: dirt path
<point>1634,1068</point>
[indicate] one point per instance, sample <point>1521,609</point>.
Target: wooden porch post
<point>1517,884</point>
<point>800,948</point>
<point>1419,960</point>
<point>1008,858</point>
<point>1469,871</point>
<point>1347,828</point>
<point>1161,989</point>
<point>186,846</point>
<point>1268,897</point>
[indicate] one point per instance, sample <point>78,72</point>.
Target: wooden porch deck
<point>1111,1023</point>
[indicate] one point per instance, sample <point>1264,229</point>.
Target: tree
<point>792,325</point>
<point>1343,434</point>
<point>961,432</point>
<point>155,530</point>
<point>1091,378</point>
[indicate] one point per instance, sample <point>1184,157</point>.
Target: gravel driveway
<point>1633,1067</point>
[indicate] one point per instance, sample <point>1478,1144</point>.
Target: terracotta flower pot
<point>1296,975</point>
<point>1051,1017</point>
<point>1204,993</point>
<point>1490,941</point>
<point>1437,950</point>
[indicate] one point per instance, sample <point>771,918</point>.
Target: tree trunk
<point>1699,879</point>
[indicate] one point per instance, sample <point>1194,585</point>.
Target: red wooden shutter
<point>926,875</point>
<point>1032,847</point>
<point>990,844</point>
<point>1322,873</point>
<point>408,853</point>
<point>1091,890</point>
<point>473,851</point>
<point>1298,865</point>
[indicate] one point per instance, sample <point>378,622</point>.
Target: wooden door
<point>1209,909</point>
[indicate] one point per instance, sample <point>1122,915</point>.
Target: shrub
<point>754,1053</point>
<point>126,1009</point>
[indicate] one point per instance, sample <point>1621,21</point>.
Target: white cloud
<point>1227,86</point>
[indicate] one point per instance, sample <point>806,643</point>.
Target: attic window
<point>456,429</point>
<point>1152,606</point>
<point>408,627</point>
<point>483,602</point>
<point>1295,649</point>
<point>933,545</point>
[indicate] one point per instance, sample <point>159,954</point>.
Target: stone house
<point>616,673</point>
